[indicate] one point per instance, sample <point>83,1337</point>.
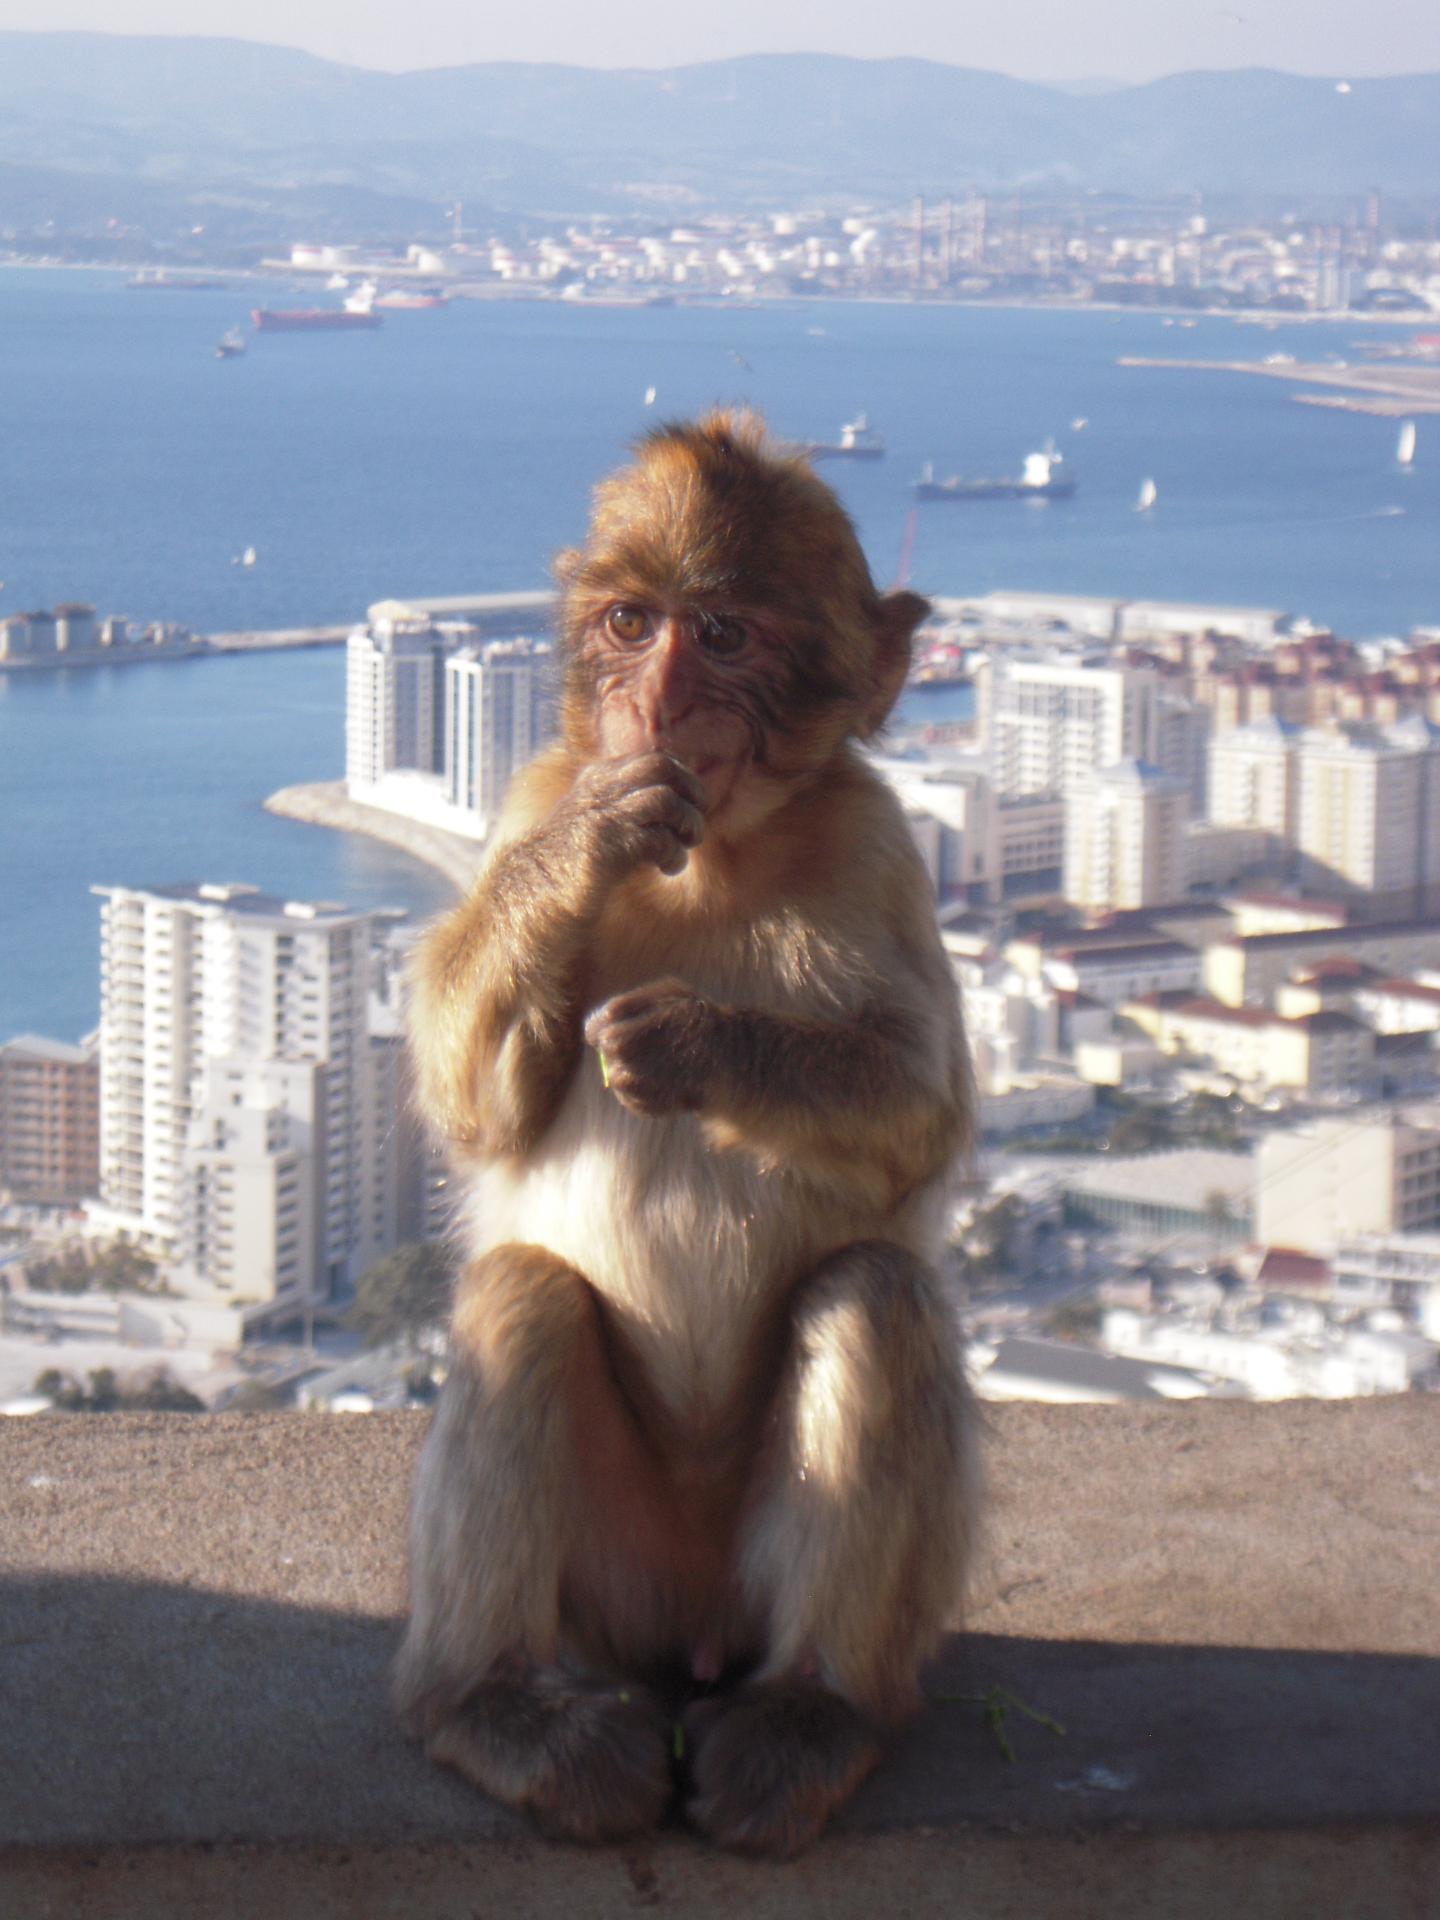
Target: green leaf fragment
<point>995,1703</point>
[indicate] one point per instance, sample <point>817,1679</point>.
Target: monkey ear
<point>899,615</point>
<point>565,565</point>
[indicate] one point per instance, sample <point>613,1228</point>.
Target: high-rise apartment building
<point>1255,778</point>
<point>394,696</point>
<point>1050,720</point>
<point>219,1003</point>
<point>1368,811</point>
<point>1125,838</point>
<point>49,1120</point>
<point>499,709</point>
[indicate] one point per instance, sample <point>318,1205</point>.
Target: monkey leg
<point>854,1554</point>
<point>529,1433</point>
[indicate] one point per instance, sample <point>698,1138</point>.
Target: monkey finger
<point>663,807</point>
<point>625,1009</point>
<point>675,774</point>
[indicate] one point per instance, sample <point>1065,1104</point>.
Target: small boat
<point>245,559</point>
<point>858,441</point>
<point>1036,481</point>
<point>1147,496</point>
<point>649,396</point>
<point>1405,445</point>
<point>230,344</point>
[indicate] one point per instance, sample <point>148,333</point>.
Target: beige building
<point>1249,971</point>
<point>1323,1184</point>
<point>1255,778</point>
<point>1125,838</point>
<point>49,1120</point>
<point>1368,811</point>
<point>1314,1053</point>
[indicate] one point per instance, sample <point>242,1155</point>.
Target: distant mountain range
<point>231,133</point>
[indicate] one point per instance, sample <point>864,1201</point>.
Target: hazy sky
<point>1036,39</point>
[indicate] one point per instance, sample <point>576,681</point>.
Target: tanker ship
<point>358,311</point>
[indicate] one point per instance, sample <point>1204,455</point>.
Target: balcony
<point>1229,1608</point>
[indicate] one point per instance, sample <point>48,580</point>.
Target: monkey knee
<point>522,1315</point>
<point>882,1311</point>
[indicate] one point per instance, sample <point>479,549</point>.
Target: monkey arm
<point>494,1031</point>
<point>495,1018</point>
<point>877,1100</point>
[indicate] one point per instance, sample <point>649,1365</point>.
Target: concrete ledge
<point>1231,1610</point>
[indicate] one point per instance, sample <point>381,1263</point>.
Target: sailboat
<point>1147,496</point>
<point>1405,445</point>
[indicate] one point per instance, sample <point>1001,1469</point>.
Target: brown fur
<point>706,1423</point>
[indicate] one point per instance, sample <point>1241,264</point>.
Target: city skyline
<point>1118,41</point>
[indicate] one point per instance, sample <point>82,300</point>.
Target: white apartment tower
<point>236,1057</point>
<point>499,712</point>
<point>1125,838</point>
<point>1052,719</point>
<point>394,693</point>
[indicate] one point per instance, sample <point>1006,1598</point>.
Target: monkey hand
<point>656,1046</point>
<point>645,810</point>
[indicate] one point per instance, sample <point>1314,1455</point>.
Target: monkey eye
<point>628,623</point>
<point>721,634</point>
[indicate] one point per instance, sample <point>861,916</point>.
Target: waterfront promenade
<point>325,803</point>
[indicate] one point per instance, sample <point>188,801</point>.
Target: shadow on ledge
<point>188,1749</point>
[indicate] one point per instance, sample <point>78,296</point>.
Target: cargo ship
<point>1036,480</point>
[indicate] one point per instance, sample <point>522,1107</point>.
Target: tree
<point>156,1392</point>
<point>404,1295</point>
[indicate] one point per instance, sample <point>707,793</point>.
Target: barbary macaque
<point>696,1500</point>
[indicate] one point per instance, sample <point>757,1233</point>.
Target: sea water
<point>452,451</point>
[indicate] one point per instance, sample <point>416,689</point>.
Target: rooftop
<point>1185,1176</point>
<point>34,1046</point>
<point>1228,1608</point>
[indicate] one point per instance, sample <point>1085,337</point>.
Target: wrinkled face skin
<point>722,612</point>
<point>698,683</point>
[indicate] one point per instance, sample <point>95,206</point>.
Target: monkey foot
<point>587,1762</point>
<point>770,1764</point>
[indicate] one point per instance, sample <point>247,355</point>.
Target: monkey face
<point>722,611</point>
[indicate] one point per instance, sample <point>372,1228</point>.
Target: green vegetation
<point>119,1268</point>
<point>1075,1320</point>
<point>405,1295</point>
<point>101,1392</point>
<point>1124,1124</point>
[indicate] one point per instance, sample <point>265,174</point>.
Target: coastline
<point>325,803</point>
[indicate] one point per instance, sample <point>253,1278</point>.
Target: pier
<point>492,614</point>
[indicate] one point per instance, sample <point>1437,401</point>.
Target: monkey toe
<point>586,1762</point>
<point>769,1766</point>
